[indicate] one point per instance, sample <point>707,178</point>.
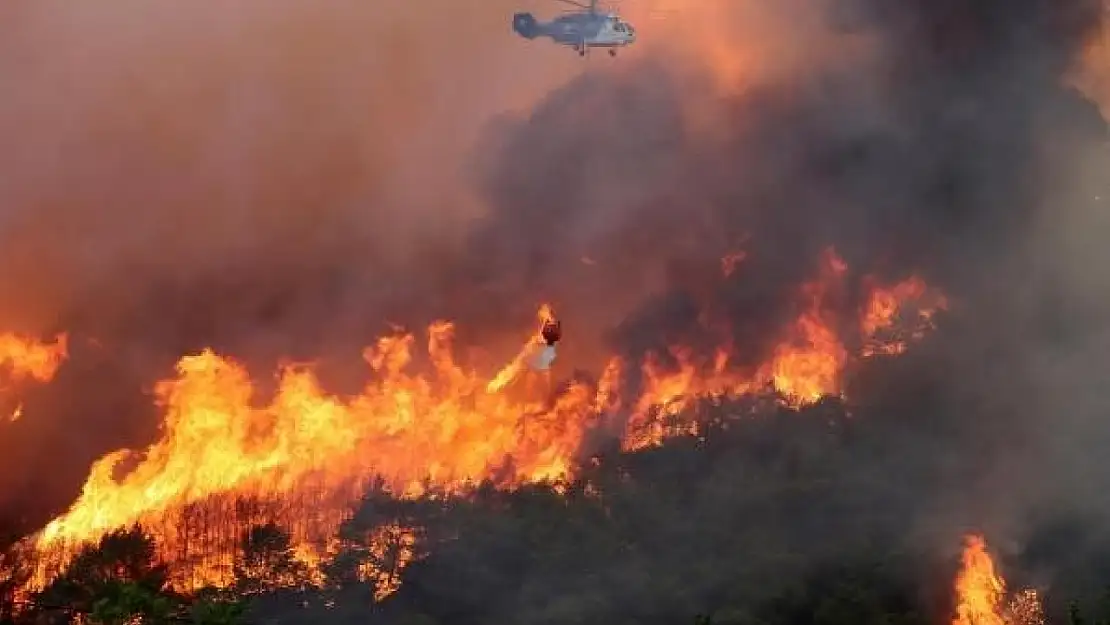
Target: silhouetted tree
<point>267,562</point>
<point>15,571</point>
<point>1075,617</point>
<point>117,578</point>
<point>214,607</point>
<point>120,603</point>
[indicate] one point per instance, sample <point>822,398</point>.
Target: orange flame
<point>880,315</point>
<point>392,548</point>
<point>22,358</point>
<point>306,457</point>
<point>805,366</point>
<point>404,427</point>
<point>981,592</point>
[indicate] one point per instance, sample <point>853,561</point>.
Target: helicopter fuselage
<point>580,31</point>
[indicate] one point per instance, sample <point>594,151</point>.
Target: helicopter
<point>581,30</point>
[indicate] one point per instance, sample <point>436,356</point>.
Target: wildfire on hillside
<point>423,422</point>
<point>981,597</point>
<point>807,363</point>
<point>392,548</point>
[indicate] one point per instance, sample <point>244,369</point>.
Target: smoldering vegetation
<point>952,152</point>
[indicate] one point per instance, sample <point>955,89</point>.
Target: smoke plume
<point>262,177</point>
<point>934,137</point>
<point>274,178</point>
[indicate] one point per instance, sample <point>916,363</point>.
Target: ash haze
<point>157,145</point>
<point>277,177</point>
<point>241,173</point>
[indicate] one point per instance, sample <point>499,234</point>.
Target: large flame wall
<point>423,421</point>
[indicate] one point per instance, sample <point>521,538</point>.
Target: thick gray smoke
<point>282,178</point>
<point>956,151</point>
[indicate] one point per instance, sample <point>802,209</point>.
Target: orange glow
<point>880,315</point>
<point>981,592</point>
<point>225,462</point>
<point>805,366</point>
<point>1090,72</point>
<point>392,548</point>
<point>1026,608</point>
<point>740,44</point>
<point>443,429</point>
<point>700,30</point>
<point>24,359</point>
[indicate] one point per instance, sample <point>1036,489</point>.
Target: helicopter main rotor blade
<point>590,7</point>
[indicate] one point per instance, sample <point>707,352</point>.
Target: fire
<point>1026,608</point>
<point>805,366</point>
<point>227,461</point>
<point>407,428</point>
<point>392,548</point>
<point>23,358</point>
<point>981,592</point>
<point>809,367</point>
<point>881,313</point>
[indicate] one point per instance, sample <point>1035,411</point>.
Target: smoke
<point>920,140</point>
<point>941,138</point>
<point>185,171</point>
<point>264,177</point>
<point>277,178</point>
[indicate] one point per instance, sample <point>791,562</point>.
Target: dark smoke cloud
<point>262,180</point>
<point>956,151</point>
<point>931,156</point>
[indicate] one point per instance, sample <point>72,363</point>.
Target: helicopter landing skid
<point>583,51</point>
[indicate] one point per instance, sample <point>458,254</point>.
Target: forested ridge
<point>831,276</point>
<point>767,516</point>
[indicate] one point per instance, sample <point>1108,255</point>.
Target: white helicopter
<point>581,30</point>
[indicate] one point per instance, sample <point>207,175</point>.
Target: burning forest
<point>822,280</point>
<point>312,455</point>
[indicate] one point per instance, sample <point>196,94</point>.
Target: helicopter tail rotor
<point>525,25</point>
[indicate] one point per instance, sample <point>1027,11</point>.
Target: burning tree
<point>981,595</point>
